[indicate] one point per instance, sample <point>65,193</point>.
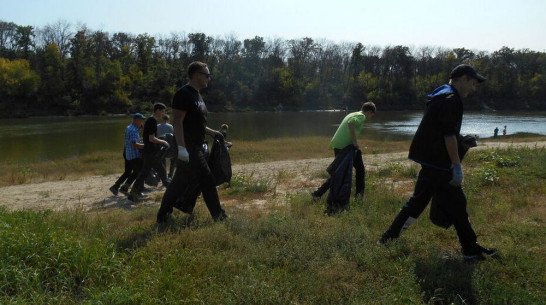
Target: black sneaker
<point>114,190</point>
<point>477,252</point>
<point>135,196</point>
<point>124,191</point>
<point>223,216</point>
<point>385,238</point>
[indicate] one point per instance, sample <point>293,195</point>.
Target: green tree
<point>53,91</point>
<point>398,69</point>
<point>144,47</point>
<point>24,37</point>
<point>200,46</point>
<point>58,33</point>
<point>8,39</point>
<point>18,85</point>
<point>77,63</point>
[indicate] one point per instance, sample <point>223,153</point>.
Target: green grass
<point>291,253</point>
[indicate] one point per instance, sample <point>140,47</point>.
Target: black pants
<point>149,160</point>
<point>430,181</point>
<point>190,179</point>
<point>360,173</point>
<point>132,169</point>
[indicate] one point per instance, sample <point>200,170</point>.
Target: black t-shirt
<point>189,100</point>
<point>150,128</point>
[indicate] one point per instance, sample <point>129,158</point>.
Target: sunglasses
<point>206,74</point>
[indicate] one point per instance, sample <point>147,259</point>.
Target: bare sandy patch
<point>92,194</point>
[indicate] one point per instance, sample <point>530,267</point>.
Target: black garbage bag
<point>438,214</point>
<point>219,161</point>
<point>341,175</point>
<point>172,151</point>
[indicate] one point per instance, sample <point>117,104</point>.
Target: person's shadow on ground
<point>121,201</point>
<point>446,280</point>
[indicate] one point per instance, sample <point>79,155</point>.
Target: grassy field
<point>287,253</point>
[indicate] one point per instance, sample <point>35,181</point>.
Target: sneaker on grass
<point>478,252</point>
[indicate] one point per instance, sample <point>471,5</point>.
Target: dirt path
<point>92,194</point>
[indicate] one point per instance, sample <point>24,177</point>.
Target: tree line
<point>60,69</point>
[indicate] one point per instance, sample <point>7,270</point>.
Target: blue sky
<point>482,25</point>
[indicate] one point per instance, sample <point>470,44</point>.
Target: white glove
<point>183,154</point>
<point>456,174</point>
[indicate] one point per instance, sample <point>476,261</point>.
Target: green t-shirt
<point>342,137</point>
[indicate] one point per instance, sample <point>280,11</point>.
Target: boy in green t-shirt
<point>347,134</point>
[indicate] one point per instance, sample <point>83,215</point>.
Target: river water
<point>33,139</point>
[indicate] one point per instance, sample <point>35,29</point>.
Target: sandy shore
<point>92,194</point>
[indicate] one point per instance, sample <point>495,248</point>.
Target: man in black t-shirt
<point>149,157</point>
<point>190,128</point>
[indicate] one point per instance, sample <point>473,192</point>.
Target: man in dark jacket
<point>434,146</point>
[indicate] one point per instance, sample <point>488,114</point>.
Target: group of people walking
<point>189,128</point>
<point>435,146</point>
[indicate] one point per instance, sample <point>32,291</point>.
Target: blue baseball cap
<point>138,116</point>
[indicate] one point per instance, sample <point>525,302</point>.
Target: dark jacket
<point>443,117</point>
<point>341,174</point>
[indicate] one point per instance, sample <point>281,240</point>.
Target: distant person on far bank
<point>504,131</point>
<point>496,132</point>
<point>435,148</point>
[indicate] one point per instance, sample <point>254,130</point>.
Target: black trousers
<point>149,160</point>
<point>190,179</point>
<point>430,181</point>
<point>132,169</point>
<point>360,173</point>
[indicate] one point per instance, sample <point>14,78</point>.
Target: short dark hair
<point>194,67</point>
<point>159,106</point>
<point>368,106</point>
